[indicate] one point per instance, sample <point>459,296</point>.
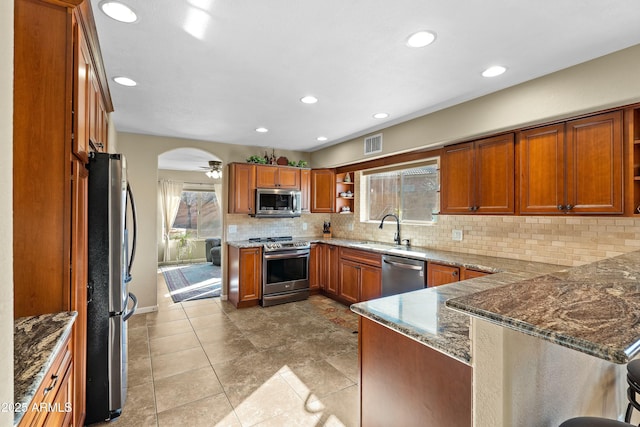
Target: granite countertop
<point>594,309</point>
<point>36,341</point>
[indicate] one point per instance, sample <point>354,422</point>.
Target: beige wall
<point>142,153</point>
<point>608,81</point>
<point>6,211</point>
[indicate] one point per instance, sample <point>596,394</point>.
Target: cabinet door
<point>472,274</point>
<point>494,171</point>
<point>349,281</point>
<point>250,274</point>
<point>82,65</point>
<point>288,178</point>
<point>594,164</point>
<point>314,266</point>
<point>440,274</point>
<point>322,190</point>
<point>370,283</point>
<point>266,176</point>
<point>242,185</point>
<point>331,273</point>
<point>457,178</point>
<point>542,170</point>
<point>305,189</point>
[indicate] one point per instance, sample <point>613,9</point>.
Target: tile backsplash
<point>247,226</point>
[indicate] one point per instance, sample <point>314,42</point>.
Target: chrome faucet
<point>396,238</point>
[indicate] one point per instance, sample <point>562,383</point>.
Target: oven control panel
<point>281,246</point>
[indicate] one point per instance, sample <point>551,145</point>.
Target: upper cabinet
<point>305,189</point>
<point>277,177</point>
<point>478,177</point>
<point>573,167</point>
<point>242,185</point>
<point>323,187</point>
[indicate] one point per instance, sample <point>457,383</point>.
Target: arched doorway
<point>190,222</point>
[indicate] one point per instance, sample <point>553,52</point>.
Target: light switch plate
<point>304,225</point>
<point>456,235</point>
<point>233,228</point>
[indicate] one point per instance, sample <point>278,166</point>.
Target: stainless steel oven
<point>285,272</point>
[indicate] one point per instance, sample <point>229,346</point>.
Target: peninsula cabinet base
<point>405,383</point>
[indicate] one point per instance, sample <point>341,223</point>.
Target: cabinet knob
<point>569,207</point>
<point>560,207</point>
<point>471,208</point>
<point>454,273</point>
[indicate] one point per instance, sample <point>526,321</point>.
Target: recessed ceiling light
<point>118,11</point>
<point>494,71</point>
<point>262,130</point>
<point>125,81</point>
<point>421,38</point>
<point>380,115</point>
<point>322,138</point>
<point>309,99</point>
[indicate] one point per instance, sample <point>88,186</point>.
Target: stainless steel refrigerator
<point>111,210</point>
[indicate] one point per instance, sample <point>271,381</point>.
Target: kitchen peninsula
<point>490,373</point>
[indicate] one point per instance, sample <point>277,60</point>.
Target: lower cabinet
<point>330,260</point>
<point>360,275</point>
<point>472,274</point>
<point>441,274</point>
<point>315,267</point>
<point>52,405</point>
<point>245,276</point>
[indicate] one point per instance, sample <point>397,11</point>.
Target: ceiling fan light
<point>215,169</point>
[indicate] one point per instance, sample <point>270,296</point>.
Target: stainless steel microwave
<point>277,203</point>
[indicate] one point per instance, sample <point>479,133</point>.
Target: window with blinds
<point>410,191</point>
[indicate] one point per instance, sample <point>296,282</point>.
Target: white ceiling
<point>254,59</point>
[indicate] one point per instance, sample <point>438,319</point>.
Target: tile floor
<point>204,363</point>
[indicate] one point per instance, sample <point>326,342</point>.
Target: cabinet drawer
<point>55,388</point>
<point>363,257</point>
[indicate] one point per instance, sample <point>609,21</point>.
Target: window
<point>410,191</point>
<point>198,215</point>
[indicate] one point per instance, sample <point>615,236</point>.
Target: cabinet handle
<point>454,273</point>
<point>569,207</point>
<point>471,208</point>
<point>560,207</point>
<point>475,208</point>
<point>52,386</point>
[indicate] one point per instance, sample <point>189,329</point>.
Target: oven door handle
<point>288,254</point>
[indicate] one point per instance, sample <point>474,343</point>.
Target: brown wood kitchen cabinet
<point>360,275</point>
<point>245,276</point>
<point>472,274</point>
<point>277,177</point>
<point>441,274</point>
<point>330,274</point>
<point>478,177</point>
<point>315,265</point>
<point>56,60</point>
<point>573,167</point>
<point>242,186</point>
<point>305,190</point>
<point>56,391</point>
<point>323,188</point>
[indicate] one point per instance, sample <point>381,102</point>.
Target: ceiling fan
<point>214,170</point>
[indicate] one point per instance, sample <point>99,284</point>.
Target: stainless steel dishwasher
<point>402,275</point>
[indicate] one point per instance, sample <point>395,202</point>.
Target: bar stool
<point>633,379</point>
<point>593,422</point>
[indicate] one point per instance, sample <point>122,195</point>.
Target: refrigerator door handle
<point>135,232</point>
<point>127,315</point>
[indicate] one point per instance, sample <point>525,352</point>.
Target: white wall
<point>6,211</point>
<point>520,380</point>
<point>609,81</point>
<point>142,153</point>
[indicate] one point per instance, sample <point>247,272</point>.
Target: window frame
<point>364,191</point>
<point>198,235</point>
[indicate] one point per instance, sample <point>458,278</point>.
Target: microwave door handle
<point>295,202</point>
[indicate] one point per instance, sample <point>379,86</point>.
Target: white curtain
<point>170,193</point>
<point>218,190</point>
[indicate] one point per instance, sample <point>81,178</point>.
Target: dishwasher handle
<point>402,265</point>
